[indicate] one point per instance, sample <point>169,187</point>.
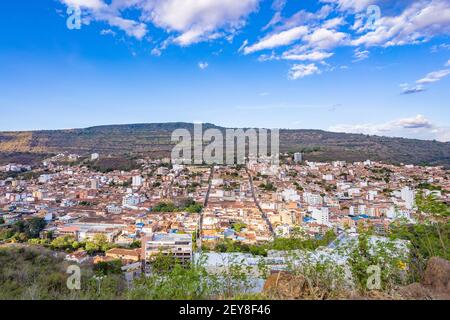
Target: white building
<point>137,181</point>
<point>290,195</point>
<point>113,209</point>
<point>45,178</point>
<point>131,200</point>
<point>409,197</point>
<point>312,199</point>
<point>322,215</point>
<point>298,157</point>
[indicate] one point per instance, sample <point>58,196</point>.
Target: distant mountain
<point>154,139</point>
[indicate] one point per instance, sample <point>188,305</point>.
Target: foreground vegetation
<point>34,272</point>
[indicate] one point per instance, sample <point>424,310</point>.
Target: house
<point>124,254</point>
<point>79,257</point>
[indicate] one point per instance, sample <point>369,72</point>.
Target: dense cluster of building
<point>250,204</point>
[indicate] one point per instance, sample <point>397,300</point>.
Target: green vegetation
<point>239,226</point>
<point>106,165</point>
<point>298,187</point>
<point>135,245</point>
<point>99,244</point>
<point>296,242</point>
<point>429,204</point>
<point>22,231</point>
<point>385,256</point>
<point>188,206</point>
<point>156,139</point>
<point>35,274</point>
<point>427,240</point>
<point>268,187</point>
<point>429,186</point>
<point>108,268</point>
<point>86,204</point>
<point>172,281</point>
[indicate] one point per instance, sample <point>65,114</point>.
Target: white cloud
<point>99,10</point>
<point>442,46</point>
<point>243,45</point>
<point>419,22</point>
<point>334,23</point>
<point>431,77</point>
<point>418,121</point>
<point>299,71</point>
<point>416,127</point>
<point>131,28</point>
<point>434,76</point>
<point>88,4</point>
<point>191,21</point>
<point>310,56</point>
<point>278,5</point>
<point>326,39</point>
<point>352,5</point>
<point>203,65</point>
<point>277,40</point>
<point>197,20</point>
<point>105,32</point>
<point>448,63</point>
<point>360,55</point>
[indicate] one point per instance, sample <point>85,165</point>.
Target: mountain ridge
<point>155,139</point>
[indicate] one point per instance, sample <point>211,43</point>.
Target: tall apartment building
<point>408,196</point>
<point>137,181</point>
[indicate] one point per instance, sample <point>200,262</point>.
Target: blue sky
<point>330,64</point>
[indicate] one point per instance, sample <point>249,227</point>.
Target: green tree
<point>62,243</point>
<point>108,267</point>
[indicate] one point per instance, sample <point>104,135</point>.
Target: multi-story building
<point>178,246</point>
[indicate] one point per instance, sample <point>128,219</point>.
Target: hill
<point>154,139</point>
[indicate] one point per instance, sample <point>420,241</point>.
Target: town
<point>180,211</point>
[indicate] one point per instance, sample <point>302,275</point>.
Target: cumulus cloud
<point>301,36</point>
<point>418,121</point>
<point>203,65</point>
<point>299,71</point>
<point>448,63</point>
<point>189,21</point>
<point>99,10</point>
<point>326,39</point>
<point>419,22</point>
<point>198,20</point>
<point>414,127</point>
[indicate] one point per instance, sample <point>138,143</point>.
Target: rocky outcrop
<point>285,286</point>
<point>435,284</point>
